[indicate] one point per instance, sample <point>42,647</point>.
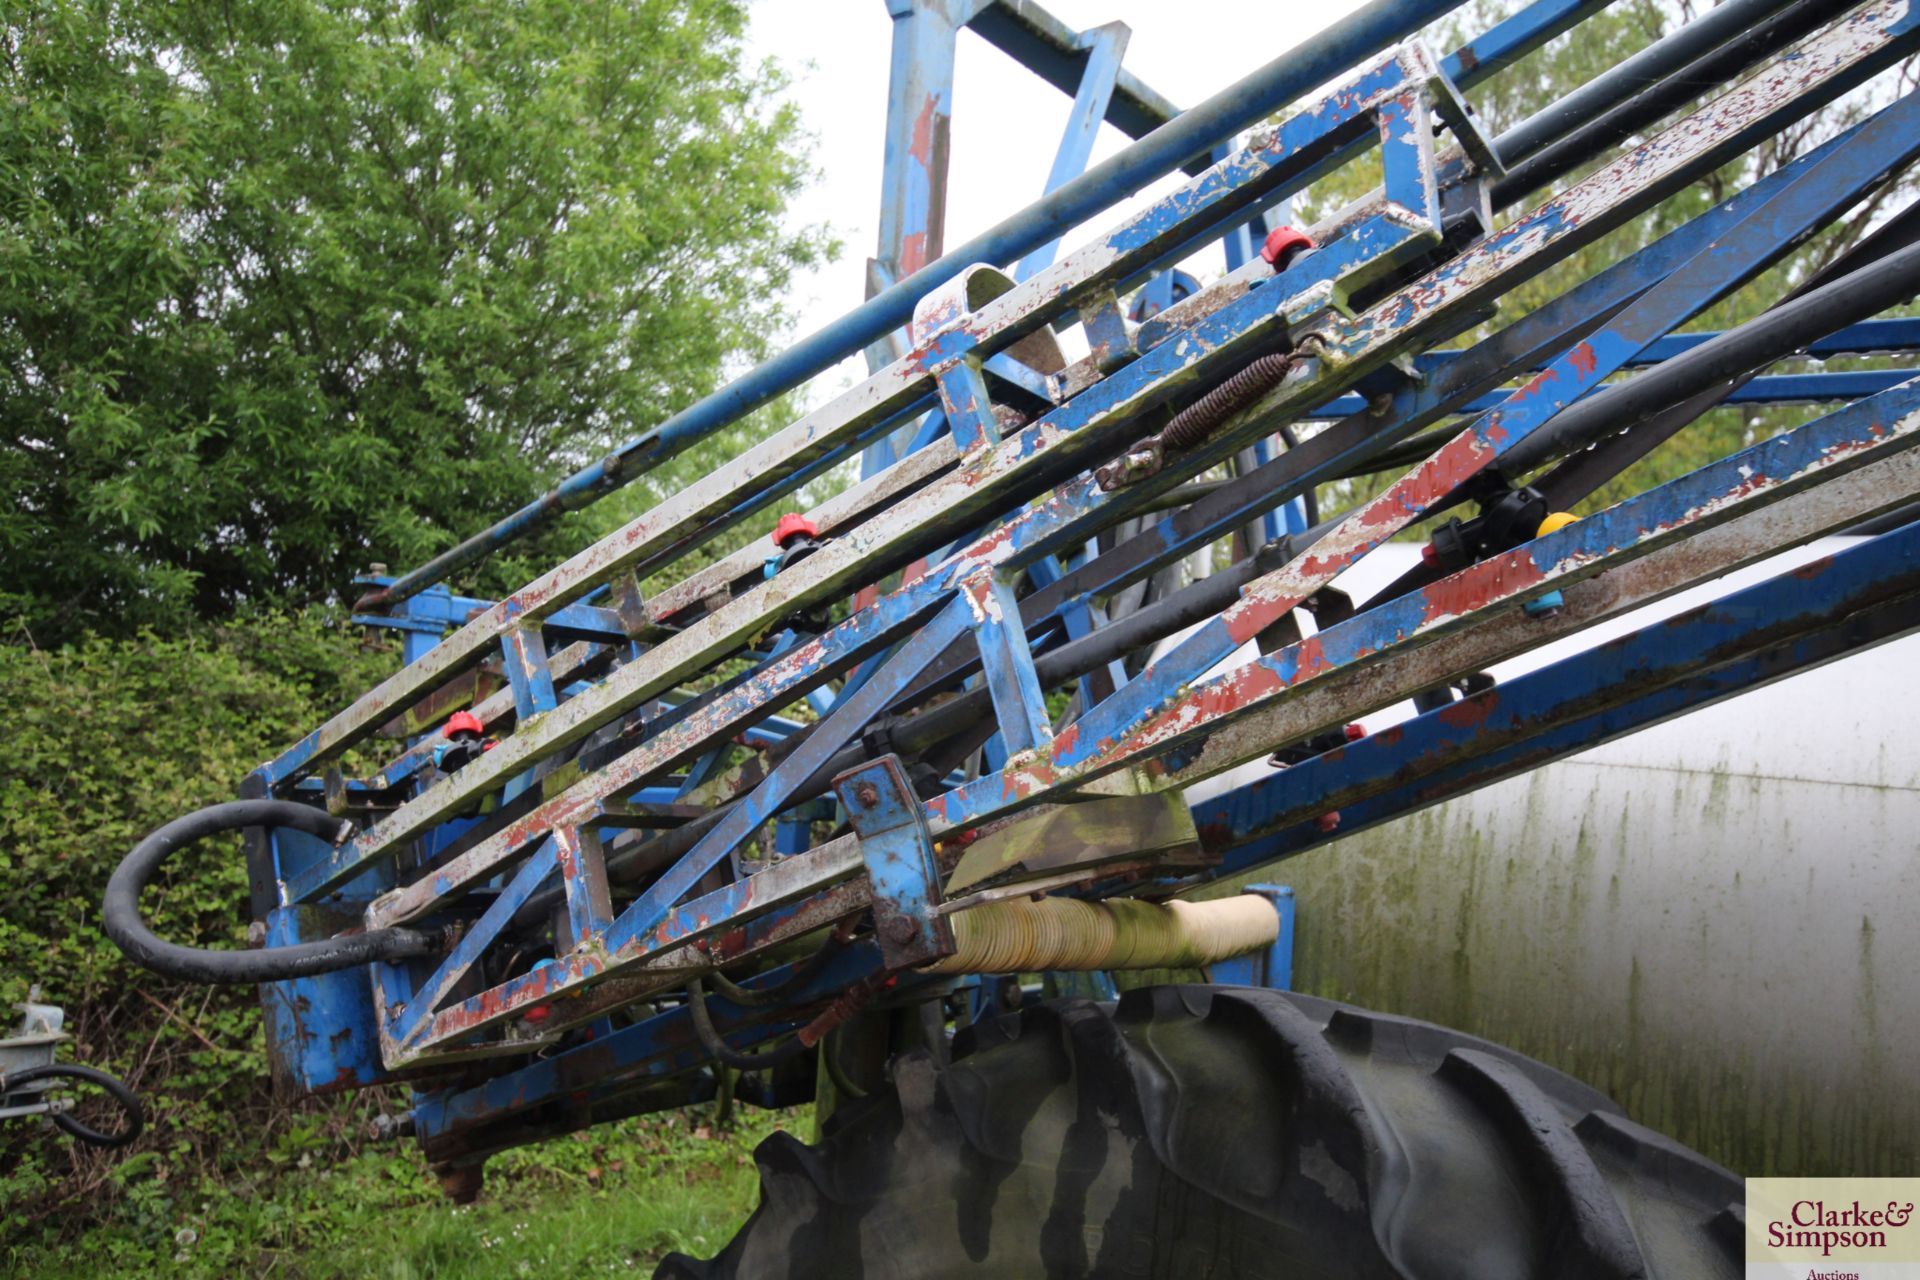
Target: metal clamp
<point>897,848</point>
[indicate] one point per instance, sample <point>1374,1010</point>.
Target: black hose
<point>1769,336</point>
<point>745,997</point>
<point>1595,131</point>
<point>1632,77</point>
<point>122,1096</point>
<point>1881,271</point>
<point>190,964</point>
<point>1580,475</point>
<point>710,1039</point>
<point>1309,496</point>
<point>842,1083</point>
<point>804,972</point>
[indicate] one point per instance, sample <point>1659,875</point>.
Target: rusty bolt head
<point>867,795</point>
<point>899,930</point>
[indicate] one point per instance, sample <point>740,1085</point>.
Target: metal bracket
<point>897,848</point>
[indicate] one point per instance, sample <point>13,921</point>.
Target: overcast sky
<point>1007,122</point>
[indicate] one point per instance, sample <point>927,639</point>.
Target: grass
<point>612,1201</point>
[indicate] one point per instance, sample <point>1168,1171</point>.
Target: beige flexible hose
<point>1065,933</point>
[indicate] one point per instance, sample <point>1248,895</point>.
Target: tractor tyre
<point>1195,1131</point>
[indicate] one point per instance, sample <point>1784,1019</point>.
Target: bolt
<point>385,1128</point>
<point>899,930</point>
<point>1327,823</point>
<point>867,795</point>
<point>257,933</point>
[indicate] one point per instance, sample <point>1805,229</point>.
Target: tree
<point>290,286</point>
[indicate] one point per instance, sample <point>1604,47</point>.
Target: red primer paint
<point>1813,569</point>
<point>1249,618</point>
<point>1212,701</point>
<point>1468,713</point>
<point>913,253</point>
<point>1016,784</point>
<point>1583,360</point>
<point>921,148</point>
<point>1482,584</point>
<point>1312,660</point>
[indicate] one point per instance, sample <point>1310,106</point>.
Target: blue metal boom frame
<point>882,701</point>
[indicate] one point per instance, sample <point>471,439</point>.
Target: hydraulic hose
<point>837,1072</point>
<point>803,973</point>
<point>849,1003</point>
<point>47,1074</point>
<point>1580,475</point>
<point>1309,496</point>
<point>718,1049</point>
<point>1770,336</point>
<point>275,964</point>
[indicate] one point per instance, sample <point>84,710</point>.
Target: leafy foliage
<point>613,1200</point>
<point>105,739</point>
<point>291,286</point>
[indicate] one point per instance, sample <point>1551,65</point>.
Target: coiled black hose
<point>123,1097</point>
<point>275,964</point>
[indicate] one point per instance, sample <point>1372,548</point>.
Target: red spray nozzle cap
<point>1282,243</point>
<point>463,722</point>
<point>791,526</point>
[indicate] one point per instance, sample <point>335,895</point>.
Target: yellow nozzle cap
<point>1555,522</point>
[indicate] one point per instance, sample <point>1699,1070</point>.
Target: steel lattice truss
<point>613,842</point>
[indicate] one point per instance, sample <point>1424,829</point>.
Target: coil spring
<point>1196,422</point>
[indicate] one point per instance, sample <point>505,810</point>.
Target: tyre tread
<point>1220,1131</point>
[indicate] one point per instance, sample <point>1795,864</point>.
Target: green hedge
<point>99,743</point>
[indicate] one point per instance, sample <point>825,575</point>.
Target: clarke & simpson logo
<point>1833,1229</point>
<point>1813,1225</point>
